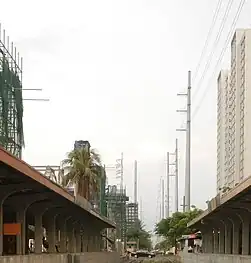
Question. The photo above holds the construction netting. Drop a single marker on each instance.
(11, 105)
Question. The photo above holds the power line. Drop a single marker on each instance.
(221, 55)
(216, 13)
(216, 42)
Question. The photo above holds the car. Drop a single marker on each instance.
(143, 253)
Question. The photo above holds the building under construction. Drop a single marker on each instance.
(11, 101)
(132, 215)
(116, 210)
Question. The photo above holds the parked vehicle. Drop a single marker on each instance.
(143, 253)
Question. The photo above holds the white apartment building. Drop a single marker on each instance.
(222, 128)
(234, 114)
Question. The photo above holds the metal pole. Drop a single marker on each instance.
(141, 210)
(176, 178)
(163, 199)
(188, 147)
(160, 203)
(122, 172)
(135, 182)
(167, 187)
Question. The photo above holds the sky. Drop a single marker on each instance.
(112, 69)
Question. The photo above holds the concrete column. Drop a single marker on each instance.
(63, 237)
(96, 243)
(100, 242)
(38, 233)
(216, 241)
(245, 236)
(228, 230)
(78, 240)
(91, 243)
(51, 230)
(85, 240)
(71, 238)
(204, 241)
(236, 236)
(21, 239)
(210, 242)
(222, 239)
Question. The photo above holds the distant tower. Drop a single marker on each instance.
(82, 144)
(135, 182)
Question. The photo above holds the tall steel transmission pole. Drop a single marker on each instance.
(135, 182)
(175, 175)
(167, 186)
(188, 145)
(162, 199)
(122, 172)
(188, 148)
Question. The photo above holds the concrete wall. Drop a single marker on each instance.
(43, 258)
(214, 258)
(91, 257)
(95, 257)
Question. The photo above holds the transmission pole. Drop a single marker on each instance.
(122, 172)
(188, 144)
(163, 199)
(175, 175)
(135, 182)
(183, 205)
(167, 187)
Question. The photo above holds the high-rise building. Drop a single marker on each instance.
(132, 214)
(222, 128)
(234, 114)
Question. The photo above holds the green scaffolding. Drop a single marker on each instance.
(11, 103)
(116, 209)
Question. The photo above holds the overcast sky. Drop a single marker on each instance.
(112, 69)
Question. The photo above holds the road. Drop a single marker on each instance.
(160, 259)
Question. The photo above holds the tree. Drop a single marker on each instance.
(83, 169)
(162, 245)
(139, 234)
(174, 227)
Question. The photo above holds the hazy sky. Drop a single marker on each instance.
(112, 69)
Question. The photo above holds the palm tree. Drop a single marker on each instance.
(139, 234)
(82, 169)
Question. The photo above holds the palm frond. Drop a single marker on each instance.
(95, 157)
(83, 168)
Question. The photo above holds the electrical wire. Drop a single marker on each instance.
(216, 13)
(221, 55)
(215, 44)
